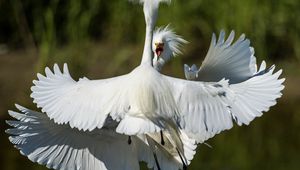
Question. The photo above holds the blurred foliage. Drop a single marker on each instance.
(107, 36)
(274, 26)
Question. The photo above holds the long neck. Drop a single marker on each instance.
(150, 12)
(147, 53)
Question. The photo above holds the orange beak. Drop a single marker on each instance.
(159, 48)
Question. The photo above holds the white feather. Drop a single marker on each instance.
(87, 103)
(84, 104)
(225, 59)
(191, 73)
(209, 108)
(168, 153)
(62, 147)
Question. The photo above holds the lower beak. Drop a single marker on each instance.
(159, 49)
(158, 53)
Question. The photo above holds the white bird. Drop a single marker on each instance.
(247, 91)
(143, 104)
(146, 102)
(225, 59)
(173, 154)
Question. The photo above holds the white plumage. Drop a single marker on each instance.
(234, 61)
(87, 121)
(63, 147)
(228, 87)
(171, 46)
(209, 108)
(191, 73)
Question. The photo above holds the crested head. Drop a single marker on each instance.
(166, 44)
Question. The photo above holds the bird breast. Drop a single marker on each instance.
(149, 94)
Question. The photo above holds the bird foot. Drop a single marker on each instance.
(156, 161)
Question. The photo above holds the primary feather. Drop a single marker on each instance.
(68, 101)
(209, 108)
(62, 147)
(234, 61)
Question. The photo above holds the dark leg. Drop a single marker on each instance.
(183, 164)
(129, 140)
(156, 161)
(162, 138)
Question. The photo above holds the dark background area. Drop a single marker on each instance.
(101, 38)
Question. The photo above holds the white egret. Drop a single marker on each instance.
(174, 154)
(246, 92)
(146, 103)
(143, 104)
(225, 59)
(149, 102)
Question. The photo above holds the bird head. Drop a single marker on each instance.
(165, 45)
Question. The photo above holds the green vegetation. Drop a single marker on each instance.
(103, 38)
(48, 25)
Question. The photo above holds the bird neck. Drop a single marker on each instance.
(150, 11)
(147, 53)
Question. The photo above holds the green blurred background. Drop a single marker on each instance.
(104, 38)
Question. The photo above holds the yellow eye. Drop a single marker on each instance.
(156, 44)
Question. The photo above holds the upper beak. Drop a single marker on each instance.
(159, 48)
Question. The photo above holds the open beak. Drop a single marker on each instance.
(159, 48)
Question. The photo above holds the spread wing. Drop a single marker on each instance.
(62, 147)
(257, 94)
(225, 59)
(203, 106)
(84, 104)
(209, 108)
